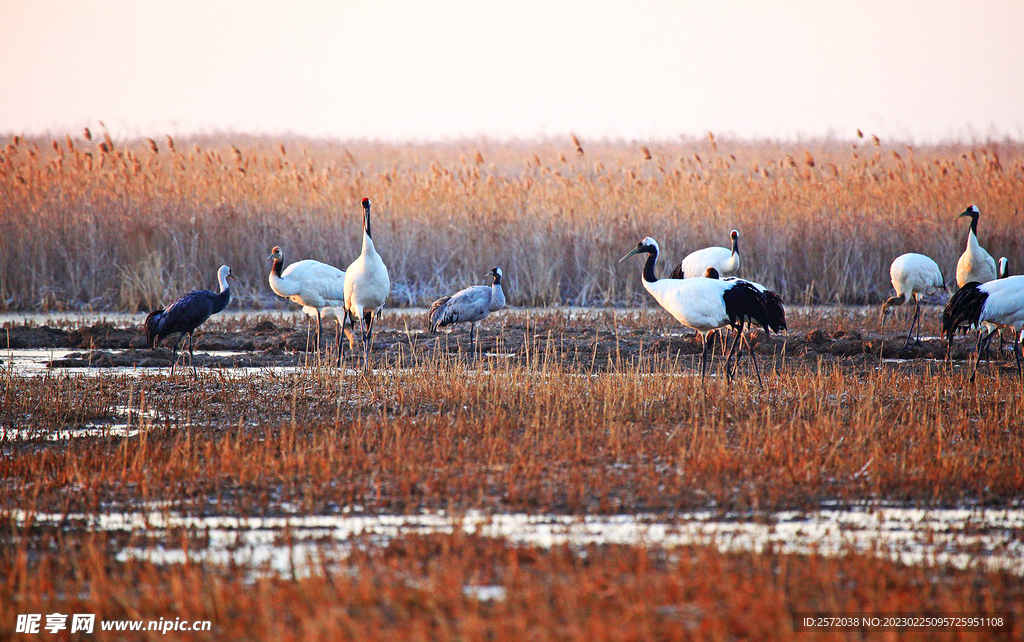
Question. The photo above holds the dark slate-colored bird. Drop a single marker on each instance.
(187, 313)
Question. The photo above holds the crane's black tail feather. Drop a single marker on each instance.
(677, 272)
(775, 311)
(963, 308)
(152, 326)
(744, 301)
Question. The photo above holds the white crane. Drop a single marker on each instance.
(998, 303)
(725, 261)
(975, 264)
(318, 287)
(913, 276)
(468, 306)
(367, 285)
(703, 304)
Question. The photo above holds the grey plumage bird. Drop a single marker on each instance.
(468, 306)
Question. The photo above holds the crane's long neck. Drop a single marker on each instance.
(648, 275)
(497, 296)
(368, 247)
(972, 236)
(280, 285)
(221, 300)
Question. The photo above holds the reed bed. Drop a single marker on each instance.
(92, 223)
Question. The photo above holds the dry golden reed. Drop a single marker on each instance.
(81, 222)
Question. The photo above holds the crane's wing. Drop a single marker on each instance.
(187, 312)
(328, 280)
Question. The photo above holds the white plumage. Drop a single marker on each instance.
(469, 305)
(996, 304)
(704, 304)
(975, 264)
(318, 287)
(913, 276)
(367, 285)
(726, 261)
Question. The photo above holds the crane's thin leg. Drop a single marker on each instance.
(319, 331)
(753, 358)
(913, 321)
(1016, 353)
(192, 356)
(703, 355)
(732, 350)
(977, 360)
(174, 350)
(472, 337)
(917, 313)
(367, 337)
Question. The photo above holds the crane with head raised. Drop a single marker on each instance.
(187, 313)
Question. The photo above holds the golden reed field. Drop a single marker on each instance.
(94, 223)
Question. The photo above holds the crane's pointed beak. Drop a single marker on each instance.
(635, 250)
(232, 276)
(270, 258)
(962, 215)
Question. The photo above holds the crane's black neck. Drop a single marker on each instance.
(652, 257)
(735, 245)
(974, 222)
(497, 279)
(275, 268)
(366, 220)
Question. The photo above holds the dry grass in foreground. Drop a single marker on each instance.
(444, 432)
(422, 588)
(89, 222)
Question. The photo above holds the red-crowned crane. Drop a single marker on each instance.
(187, 313)
(975, 264)
(318, 287)
(468, 306)
(367, 286)
(726, 261)
(913, 276)
(703, 304)
(998, 303)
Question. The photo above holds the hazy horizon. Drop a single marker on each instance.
(918, 72)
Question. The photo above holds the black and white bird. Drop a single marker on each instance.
(318, 287)
(367, 286)
(996, 304)
(187, 313)
(726, 261)
(775, 310)
(975, 264)
(468, 306)
(913, 276)
(703, 304)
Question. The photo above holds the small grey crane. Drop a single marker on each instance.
(187, 313)
(468, 306)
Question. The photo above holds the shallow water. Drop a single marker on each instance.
(962, 538)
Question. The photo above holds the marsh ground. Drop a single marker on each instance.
(546, 487)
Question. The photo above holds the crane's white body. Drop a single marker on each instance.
(697, 303)
(367, 284)
(311, 284)
(975, 264)
(1004, 305)
(915, 275)
(725, 260)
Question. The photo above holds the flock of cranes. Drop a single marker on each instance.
(701, 293)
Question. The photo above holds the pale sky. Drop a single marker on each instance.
(917, 71)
